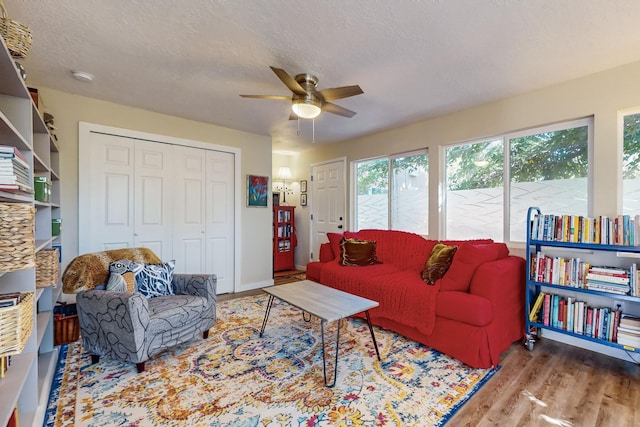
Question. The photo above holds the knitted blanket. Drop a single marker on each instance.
(87, 271)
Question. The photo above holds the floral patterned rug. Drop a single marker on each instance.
(235, 378)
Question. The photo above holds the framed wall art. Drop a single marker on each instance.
(303, 186)
(257, 191)
(303, 199)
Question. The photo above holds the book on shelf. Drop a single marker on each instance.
(630, 321)
(620, 230)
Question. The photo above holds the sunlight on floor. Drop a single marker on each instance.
(534, 399)
(546, 418)
(556, 422)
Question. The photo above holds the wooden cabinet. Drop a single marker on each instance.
(284, 237)
(27, 380)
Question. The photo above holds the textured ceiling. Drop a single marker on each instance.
(413, 59)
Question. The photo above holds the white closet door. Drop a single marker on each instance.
(189, 219)
(153, 216)
(106, 196)
(220, 219)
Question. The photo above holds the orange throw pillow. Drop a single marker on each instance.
(438, 263)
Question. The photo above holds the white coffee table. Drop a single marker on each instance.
(325, 303)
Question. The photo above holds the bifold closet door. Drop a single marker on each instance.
(176, 200)
(130, 195)
(189, 221)
(152, 205)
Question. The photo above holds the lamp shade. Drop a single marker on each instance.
(284, 173)
(306, 108)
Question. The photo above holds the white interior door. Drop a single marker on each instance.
(189, 210)
(220, 220)
(153, 216)
(106, 195)
(327, 203)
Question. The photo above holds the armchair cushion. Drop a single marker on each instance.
(154, 280)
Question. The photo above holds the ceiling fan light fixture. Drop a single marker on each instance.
(306, 108)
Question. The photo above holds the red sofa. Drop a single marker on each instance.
(473, 313)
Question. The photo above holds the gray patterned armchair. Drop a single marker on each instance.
(129, 326)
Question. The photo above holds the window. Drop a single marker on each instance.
(547, 167)
(631, 164)
(392, 193)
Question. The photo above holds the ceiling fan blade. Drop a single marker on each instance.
(334, 93)
(336, 109)
(278, 97)
(289, 82)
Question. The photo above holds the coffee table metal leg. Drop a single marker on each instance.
(375, 344)
(324, 359)
(266, 315)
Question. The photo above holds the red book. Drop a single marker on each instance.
(547, 309)
(588, 324)
(616, 323)
(562, 305)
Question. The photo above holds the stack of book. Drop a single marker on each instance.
(569, 314)
(629, 331)
(14, 170)
(608, 279)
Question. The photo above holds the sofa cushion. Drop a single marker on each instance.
(356, 252)
(438, 263)
(155, 280)
(467, 259)
(407, 251)
(334, 243)
(464, 307)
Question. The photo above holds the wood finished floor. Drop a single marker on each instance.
(554, 385)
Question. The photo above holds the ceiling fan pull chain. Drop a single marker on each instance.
(298, 132)
(313, 130)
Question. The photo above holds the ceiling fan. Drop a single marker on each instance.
(306, 101)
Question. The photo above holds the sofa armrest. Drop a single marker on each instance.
(501, 281)
(204, 285)
(112, 322)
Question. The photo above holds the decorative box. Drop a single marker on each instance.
(47, 268)
(56, 226)
(16, 324)
(17, 240)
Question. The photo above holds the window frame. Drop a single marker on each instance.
(506, 202)
(390, 182)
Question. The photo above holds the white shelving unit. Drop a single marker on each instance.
(28, 379)
(595, 254)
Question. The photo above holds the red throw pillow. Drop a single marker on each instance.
(438, 263)
(464, 264)
(334, 242)
(355, 252)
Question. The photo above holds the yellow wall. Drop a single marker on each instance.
(68, 110)
(602, 95)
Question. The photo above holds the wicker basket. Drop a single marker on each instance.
(16, 236)
(17, 36)
(47, 268)
(16, 325)
(66, 328)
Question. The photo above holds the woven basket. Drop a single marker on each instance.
(47, 268)
(16, 325)
(66, 328)
(17, 36)
(17, 250)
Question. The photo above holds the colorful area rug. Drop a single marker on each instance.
(235, 378)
